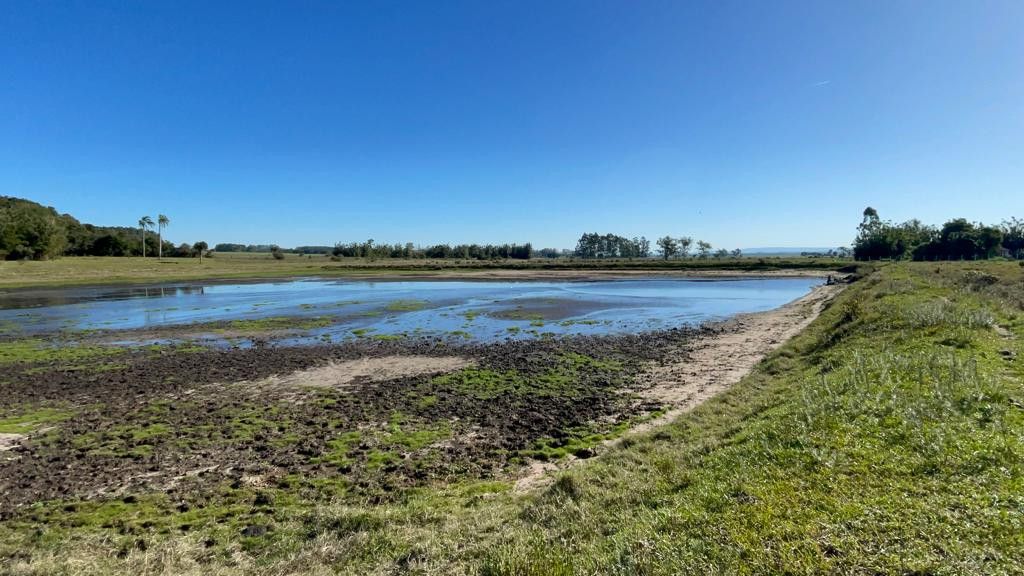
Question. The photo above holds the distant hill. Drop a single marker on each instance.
(29, 230)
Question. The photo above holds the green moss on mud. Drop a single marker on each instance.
(32, 350)
(405, 305)
(377, 447)
(279, 323)
(561, 380)
(24, 422)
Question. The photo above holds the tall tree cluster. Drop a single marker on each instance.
(29, 230)
(595, 245)
(957, 239)
(668, 247)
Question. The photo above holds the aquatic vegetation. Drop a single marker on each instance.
(519, 314)
(581, 322)
(280, 323)
(405, 305)
(33, 350)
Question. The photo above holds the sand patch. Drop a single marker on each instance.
(9, 441)
(353, 372)
(717, 362)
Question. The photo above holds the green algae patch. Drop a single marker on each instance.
(280, 323)
(32, 420)
(37, 351)
(406, 305)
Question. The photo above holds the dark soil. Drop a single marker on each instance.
(187, 423)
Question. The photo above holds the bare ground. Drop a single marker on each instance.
(342, 375)
(707, 366)
(8, 441)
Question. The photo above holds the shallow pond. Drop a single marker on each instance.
(334, 310)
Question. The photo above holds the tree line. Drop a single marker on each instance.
(957, 239)
(369, 249)
(31, 231)
(263, 248)
(593, 245)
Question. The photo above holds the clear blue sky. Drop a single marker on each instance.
(744, 123)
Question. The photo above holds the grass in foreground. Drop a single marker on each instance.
(886, 438)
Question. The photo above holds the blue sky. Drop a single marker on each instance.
(743, 123)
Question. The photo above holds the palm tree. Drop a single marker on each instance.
(200, 248)
(161, 223)
(144, 223)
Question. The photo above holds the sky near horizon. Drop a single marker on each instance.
(742, 123)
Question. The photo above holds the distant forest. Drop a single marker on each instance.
(264, 248)
(957, 239)
(30, 231)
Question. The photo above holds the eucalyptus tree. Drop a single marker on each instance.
(703, 249)
(642, 247)
(144, 223)
(667, 247)
(1013, 237)
(162, 222)
(684, 246)
(595, 245)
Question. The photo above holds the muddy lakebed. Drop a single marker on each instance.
(189, 403)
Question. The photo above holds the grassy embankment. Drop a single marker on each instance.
(886, 438)
(101, 270)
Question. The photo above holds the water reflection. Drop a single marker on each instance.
(343, 309)
(68, 296)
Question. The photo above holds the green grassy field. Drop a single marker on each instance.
(887, 438)
(227, 266)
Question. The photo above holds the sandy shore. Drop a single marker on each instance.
(708, 366)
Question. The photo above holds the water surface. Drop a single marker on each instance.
(484, 310)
